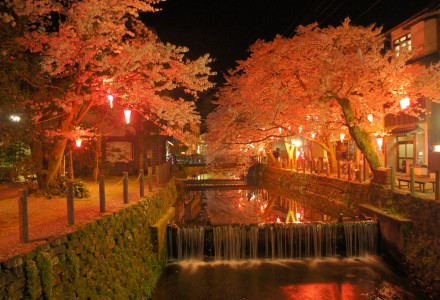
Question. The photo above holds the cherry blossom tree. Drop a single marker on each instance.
(342, 78)
(90, 49)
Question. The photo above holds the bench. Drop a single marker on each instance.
(420, 181)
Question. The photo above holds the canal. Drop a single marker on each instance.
(253, 244)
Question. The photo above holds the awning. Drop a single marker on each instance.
(406, 130)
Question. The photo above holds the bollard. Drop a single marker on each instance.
(393, 178)
(23, 217)
(150, 179)
(125, 184)
(70, 207)
(437, 185)
(141, 183)
(412, 183)
(102, 193)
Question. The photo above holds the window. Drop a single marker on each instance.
(403, 43)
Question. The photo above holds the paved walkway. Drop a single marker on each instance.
(48, 217)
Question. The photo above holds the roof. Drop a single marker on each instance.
(406, 130)
(427, 12)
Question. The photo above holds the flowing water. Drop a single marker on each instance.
(249, 244)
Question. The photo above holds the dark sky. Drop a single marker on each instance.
(226, 28)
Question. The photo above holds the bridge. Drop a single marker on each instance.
(214, 183)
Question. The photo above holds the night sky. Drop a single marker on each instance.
(226, 28)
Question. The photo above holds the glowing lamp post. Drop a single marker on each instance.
(127, 114)
(379, 142)
(404, 103)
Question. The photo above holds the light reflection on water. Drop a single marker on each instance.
(328, 278)
(365, 278)
(224, 207)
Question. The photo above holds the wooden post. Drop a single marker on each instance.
(23, 217)
(437, 185)
(125, 186)
(102, 193)
(157, 175)
(339, 169)
(393, 178)
(141, 182)
(412, 183)
(361, 173)
(70, 207)
(150, 179)
(349, 171)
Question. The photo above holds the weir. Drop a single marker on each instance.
(272, 241)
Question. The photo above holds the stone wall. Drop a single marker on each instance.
(111, 258)
(417, 251)
(330, 196)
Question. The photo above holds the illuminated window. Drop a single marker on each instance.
(403, 43)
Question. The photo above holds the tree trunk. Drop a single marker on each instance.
(331, 154)
(360, 136)
(56, 153)
(272, 160)
(54, 163)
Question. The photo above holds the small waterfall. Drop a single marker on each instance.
(361, 238)
(190, 243)
(272, 241)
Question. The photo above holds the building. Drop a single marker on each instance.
(411, 140)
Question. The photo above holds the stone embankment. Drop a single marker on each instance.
(114, 257)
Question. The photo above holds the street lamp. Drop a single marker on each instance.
(15, 118)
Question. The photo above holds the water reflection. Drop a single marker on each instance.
(365, 278)
(255, 206)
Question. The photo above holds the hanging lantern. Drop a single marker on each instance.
(379, 142)
(127, 114)
(370, 118)
(78, 142)
(312, 135)
(404, 103)
(341, 136)
(110, 100)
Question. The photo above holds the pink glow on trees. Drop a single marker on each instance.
(82, 44)
(322, 80)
